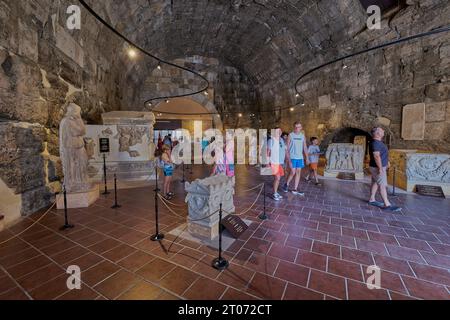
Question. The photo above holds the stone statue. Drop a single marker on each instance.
(73, 152)
(90, 147)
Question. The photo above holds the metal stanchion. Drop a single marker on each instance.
(157, 236)
(263, 216)
(116, 204)
(66, 225)
(191, 169)
(393, 182)
(220, 263)
(184, 175)
(106, 192)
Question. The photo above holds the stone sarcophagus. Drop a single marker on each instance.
(414, 167)
(131, 154)
(204, 197)
(345, 157)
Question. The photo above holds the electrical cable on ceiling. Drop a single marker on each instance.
(145, 52)
(205, 89)
(298, 94)
(384, 45)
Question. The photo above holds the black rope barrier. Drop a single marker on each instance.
(157, 236)
(263, 216)
(105, 178)
(116, 203)
(66, 225)
(220, 263)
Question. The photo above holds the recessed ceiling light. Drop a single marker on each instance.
(132, 53)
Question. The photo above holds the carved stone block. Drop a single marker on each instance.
(204, 198)
(413, 167)
(345, 157)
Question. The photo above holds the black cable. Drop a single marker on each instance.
(160, 61)
(384, 45)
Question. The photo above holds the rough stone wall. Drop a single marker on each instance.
(273, 42)
(372, 88)
(43, 66)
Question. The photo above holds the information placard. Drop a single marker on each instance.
(104, 145)
(235, 225)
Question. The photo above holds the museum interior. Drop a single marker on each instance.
(96, 97)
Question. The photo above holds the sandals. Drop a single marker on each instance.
(392, 209)
(377, 204)
(382, 206)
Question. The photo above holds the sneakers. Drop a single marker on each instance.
(277, 197)
(169, 196)
(297, 193)
(285, 188)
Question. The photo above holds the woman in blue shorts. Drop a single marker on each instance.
(168, 168)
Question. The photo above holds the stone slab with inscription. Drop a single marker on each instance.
(413, 122)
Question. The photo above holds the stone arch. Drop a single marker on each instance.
(345, 135)
(198, 103)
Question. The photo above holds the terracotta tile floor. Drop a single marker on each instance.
(315, 247)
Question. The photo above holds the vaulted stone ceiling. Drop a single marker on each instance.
(263, 38)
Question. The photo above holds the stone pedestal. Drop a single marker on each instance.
(79, 199)
(345, 157)
(204, 199)
(414, 167)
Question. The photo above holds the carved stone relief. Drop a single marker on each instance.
(430, 167)
(345, 157)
